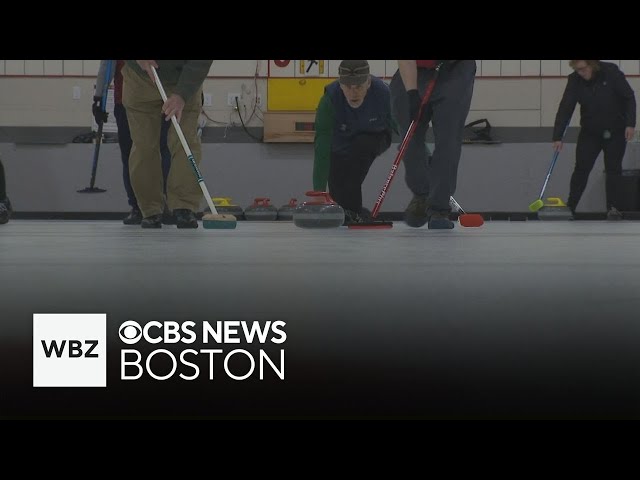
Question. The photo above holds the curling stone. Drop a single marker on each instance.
(261, 210)
(554, 209)
(285, 212)
(225, 207)
(320, 212)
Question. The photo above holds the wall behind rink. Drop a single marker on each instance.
(505, 177)
(39, 119)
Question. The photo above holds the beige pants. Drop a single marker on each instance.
(143, 104)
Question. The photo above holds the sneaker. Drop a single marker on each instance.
(153, 221)
(440, 220)
(134, 217)
(416, 213)
(614, 214)
(185, 218)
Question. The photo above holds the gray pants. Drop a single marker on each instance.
(436, 176)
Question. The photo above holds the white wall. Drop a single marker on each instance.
(508, 92)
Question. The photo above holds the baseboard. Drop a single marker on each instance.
(388, 216)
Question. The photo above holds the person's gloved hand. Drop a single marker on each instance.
(98, 114)
(414, 104)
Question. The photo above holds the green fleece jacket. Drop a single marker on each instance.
(325, 116)
(187, 76)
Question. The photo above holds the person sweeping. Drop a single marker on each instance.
(607, 123)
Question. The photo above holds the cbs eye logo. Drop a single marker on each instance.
(130, 332)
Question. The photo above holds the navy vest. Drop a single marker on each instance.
(370, 117)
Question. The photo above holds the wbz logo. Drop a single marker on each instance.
(74, 349)
(69, 350)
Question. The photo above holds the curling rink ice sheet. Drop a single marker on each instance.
(534, 307)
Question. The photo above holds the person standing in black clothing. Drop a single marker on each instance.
(607, 123)
(5, 205)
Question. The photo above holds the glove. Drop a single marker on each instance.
(414, 104)
(98, 114)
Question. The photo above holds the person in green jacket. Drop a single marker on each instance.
(182, 81)
(353, 126)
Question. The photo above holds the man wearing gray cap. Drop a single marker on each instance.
(352, 128)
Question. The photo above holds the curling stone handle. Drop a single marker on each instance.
(221, 201)
(326, 195)
(293, 202)
(263, 201)
(555, 202)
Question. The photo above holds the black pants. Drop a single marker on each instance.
(3, 185)
(348, 170)
(588, 148)
(125, 142)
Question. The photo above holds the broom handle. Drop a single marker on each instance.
(185, 145)
(103, 94)
(405, 142)
(553, 164)
(546, 180)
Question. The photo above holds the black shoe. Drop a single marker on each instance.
(168, 218)
(416, 213)
(363, 219)
(153, 221)
(185, 218)
(134, 217)
(352, 217)
(440, 220)
(614, 214)
(5, 211)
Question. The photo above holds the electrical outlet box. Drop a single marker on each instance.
(76, 93)
(259, 100)
(207, 100)
(231, 99)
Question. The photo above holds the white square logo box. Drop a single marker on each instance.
(69, 350)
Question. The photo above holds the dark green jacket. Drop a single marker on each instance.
(187, 76)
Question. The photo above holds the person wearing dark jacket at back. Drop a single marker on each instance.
(607, 123)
